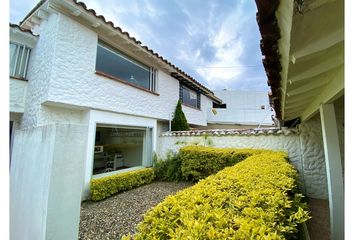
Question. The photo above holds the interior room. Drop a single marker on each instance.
(117, 148)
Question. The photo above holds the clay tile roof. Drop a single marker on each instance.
(179, 74)
(270, 33)
(241, 132)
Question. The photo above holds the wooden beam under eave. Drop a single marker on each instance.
(330, 40)
(314, 66)
(331, 92)
(310, 85)
(300, 104)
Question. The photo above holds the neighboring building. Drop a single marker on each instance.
(303, 47)
(86, 100)
(240, 109)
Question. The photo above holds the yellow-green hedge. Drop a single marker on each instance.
(102, 188)
(255, 199)
(199, 162)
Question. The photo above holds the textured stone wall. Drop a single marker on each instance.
(304, 148)
(314, 166)
(17, 99)
(39, 71)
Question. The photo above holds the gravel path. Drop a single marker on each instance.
(118, 215)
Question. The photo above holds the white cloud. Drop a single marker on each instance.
(137, 11)
(223, 36)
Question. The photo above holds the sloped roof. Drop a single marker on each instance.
(270, 33)
(179, 74)
(303, 48)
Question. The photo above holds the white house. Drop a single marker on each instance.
(86, 100)
(241, 109)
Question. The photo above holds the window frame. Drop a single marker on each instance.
(16, 70)
(198, 102)
(153, 72)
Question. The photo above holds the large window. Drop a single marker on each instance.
(19, 57)
(189, 97)
(116, 64)
(118, 148)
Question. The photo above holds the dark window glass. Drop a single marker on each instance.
(215, 105)
(190, 97)
(115, 63)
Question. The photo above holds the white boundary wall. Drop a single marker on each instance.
(304, 146)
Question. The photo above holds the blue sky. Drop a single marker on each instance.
(216, 42)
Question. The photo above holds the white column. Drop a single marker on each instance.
(334, 170)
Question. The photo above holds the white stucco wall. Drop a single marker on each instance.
(45, 182)
(18, 90)
(62, 71)
(39, 71)
(304, 147)
(198, 117)
(242, 107)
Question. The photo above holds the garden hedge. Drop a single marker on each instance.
(104, 187)
(254, 199)
(198, 162)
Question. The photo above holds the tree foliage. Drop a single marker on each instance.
(179, 121)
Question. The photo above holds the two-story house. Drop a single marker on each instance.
(86, 100)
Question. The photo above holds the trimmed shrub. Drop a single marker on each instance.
(198, 162)
(179, 121)
(168, 169)
(255, 199)
(104, 187)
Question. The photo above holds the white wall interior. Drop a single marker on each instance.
(47, 168)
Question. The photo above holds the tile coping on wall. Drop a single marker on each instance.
(221, 132)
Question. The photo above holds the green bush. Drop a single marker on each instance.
(255, 199)
(168, 169)
(104, 187)
(179, 121)
(199, 162)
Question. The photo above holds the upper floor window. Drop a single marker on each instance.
(112, 62)
(189, 97)
(19, 58)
